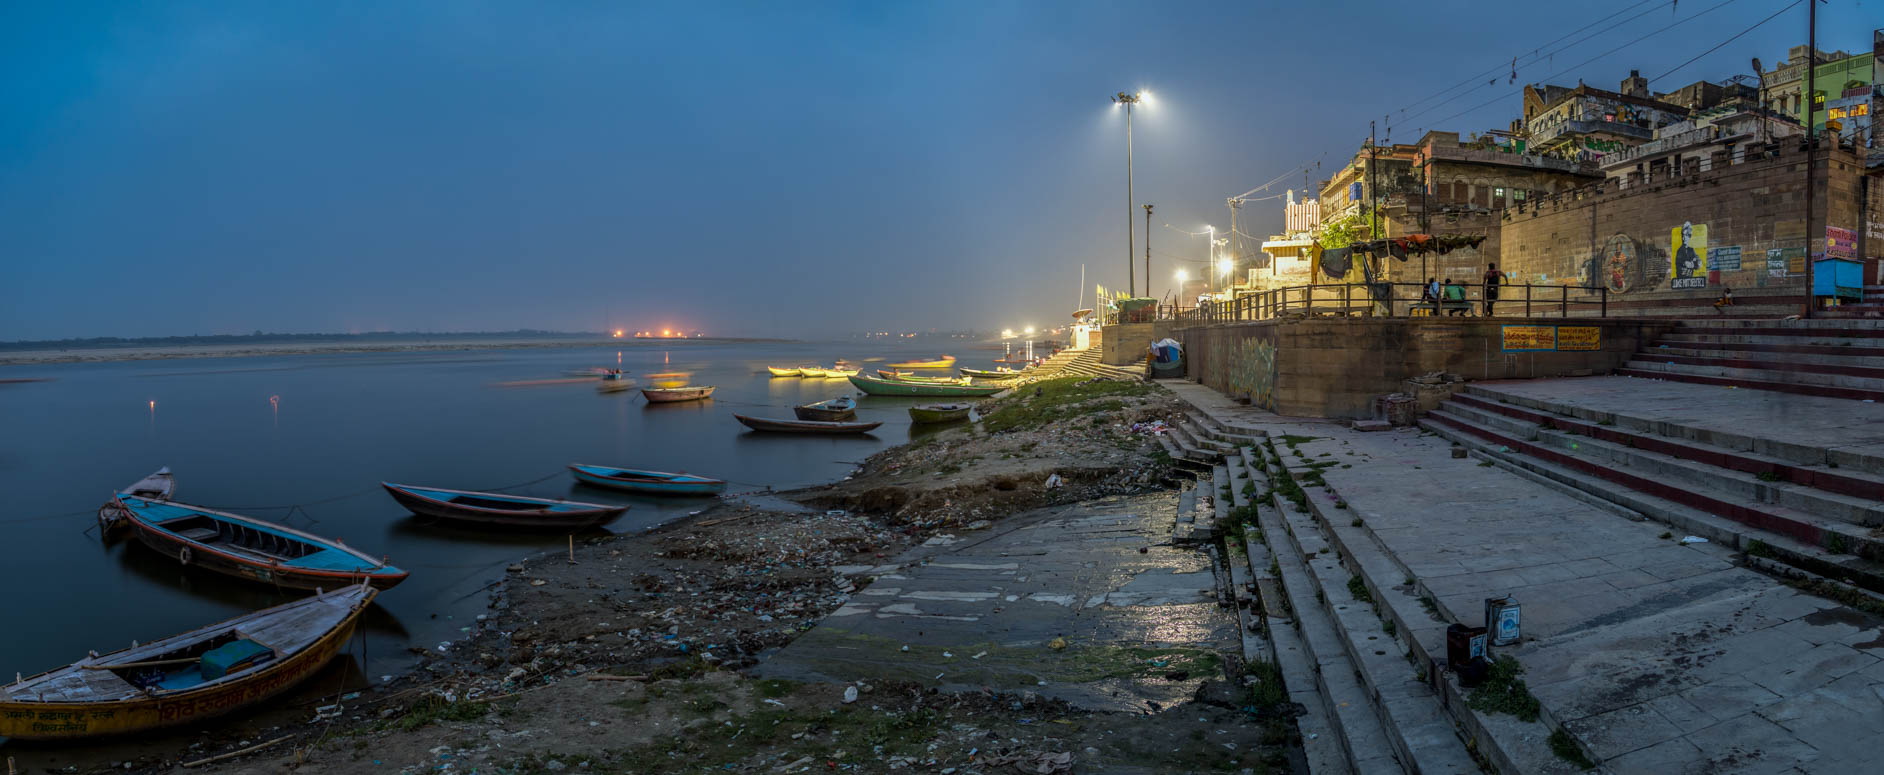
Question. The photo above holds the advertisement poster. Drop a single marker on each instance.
(1840, 243)
(1530, 338)
(1687, 251)
(1725, 259)
(1776, 261)
(1579, 338)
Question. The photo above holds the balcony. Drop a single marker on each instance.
(1543, 137)
(1481, 156)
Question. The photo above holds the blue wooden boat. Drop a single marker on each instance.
(653, 482)
(251, 548)
(492, 508)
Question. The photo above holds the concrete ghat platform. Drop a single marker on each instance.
(1656, 657)
(983, 609)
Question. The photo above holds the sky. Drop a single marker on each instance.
(793, 169)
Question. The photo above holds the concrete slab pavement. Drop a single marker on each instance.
(1089, 603)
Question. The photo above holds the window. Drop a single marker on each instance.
(1498, 194)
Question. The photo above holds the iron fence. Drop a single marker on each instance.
(1396, 300)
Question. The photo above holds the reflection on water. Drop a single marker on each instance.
(259, 435)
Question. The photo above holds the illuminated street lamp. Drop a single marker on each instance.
(1128, 101)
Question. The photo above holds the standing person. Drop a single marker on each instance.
(1492, 279)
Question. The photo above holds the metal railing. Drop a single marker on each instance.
(1395, 300)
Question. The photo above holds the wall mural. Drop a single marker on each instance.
(1616, 266)
(1687, 246)
(1252, 370)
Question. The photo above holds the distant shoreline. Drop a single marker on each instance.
(417, 343)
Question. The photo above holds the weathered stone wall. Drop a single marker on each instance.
(1336, 367)
(1126, 344)
(1624, 238)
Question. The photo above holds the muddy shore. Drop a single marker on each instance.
(624, 653)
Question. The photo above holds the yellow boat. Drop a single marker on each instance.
(810, 372)
(945, 362)
(184, 678)
(778, 372)
(840, 373)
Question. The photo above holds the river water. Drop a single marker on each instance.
(262, 435)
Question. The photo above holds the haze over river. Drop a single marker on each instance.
(259, 435)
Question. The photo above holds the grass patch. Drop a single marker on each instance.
(1666, 534)
(1835, 544)
(1566, 748)
(1504, 691)
(1758, 548)
(1387, 626)
(1292, 439)
(1059, 399)
(1358, 588)
(432, 709)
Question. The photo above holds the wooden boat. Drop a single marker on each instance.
(251, 548)
(663, 395)
(944, 362)
(804, 426)
(614, 382)
(593, 371)
(670, 379)
(158, 486)
(924, 413)
(778, 372)
(893, 387)
(654, 482)
(834, 410)
(903, 376)
(492, 508)
(185, 678)
(839, 372)
(1002, 373)
(812, 372)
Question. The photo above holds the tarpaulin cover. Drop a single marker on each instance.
(1167, 351)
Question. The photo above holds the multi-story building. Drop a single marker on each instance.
(1352, 189)
(1782, 88)
(1722, 135)
(1583, 123)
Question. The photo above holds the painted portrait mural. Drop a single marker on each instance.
(1687, 251)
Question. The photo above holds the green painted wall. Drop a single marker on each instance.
(1832, 80)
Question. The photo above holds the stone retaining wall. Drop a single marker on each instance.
(1336, 367)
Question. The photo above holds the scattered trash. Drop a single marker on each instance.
(1056, 644)
(1693, 540)
(850, 694)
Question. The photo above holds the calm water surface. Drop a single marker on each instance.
(337, 426)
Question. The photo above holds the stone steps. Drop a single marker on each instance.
(1860, 357)
(1777, 381)
(1797, 538)
(1726, 339)
(1857, 500)
(1736, 447)
(1765, 366)
(1344, 634)
(1182, 457)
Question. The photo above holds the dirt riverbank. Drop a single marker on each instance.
(623, 654)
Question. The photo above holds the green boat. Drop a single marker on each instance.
(984, 374)
(890, 387)
(925, 413)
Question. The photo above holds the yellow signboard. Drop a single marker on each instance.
(1520, 338)
(1579, 338)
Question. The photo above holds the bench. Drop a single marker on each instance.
(1430, 308)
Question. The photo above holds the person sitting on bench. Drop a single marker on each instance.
(1455, 302)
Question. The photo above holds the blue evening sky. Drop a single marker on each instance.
(766, 168)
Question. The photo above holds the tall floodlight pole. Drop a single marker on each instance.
(1131, 240)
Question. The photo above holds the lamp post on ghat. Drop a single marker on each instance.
(1128, 101)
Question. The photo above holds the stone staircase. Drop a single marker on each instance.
(1839, 358)
(1366, 688)
(1199, 442)
(1871, 307)
(1818, 509)
(1363, 709)
(1083, 363)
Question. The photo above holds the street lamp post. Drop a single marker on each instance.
(1210, 258)
(1131, 240)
